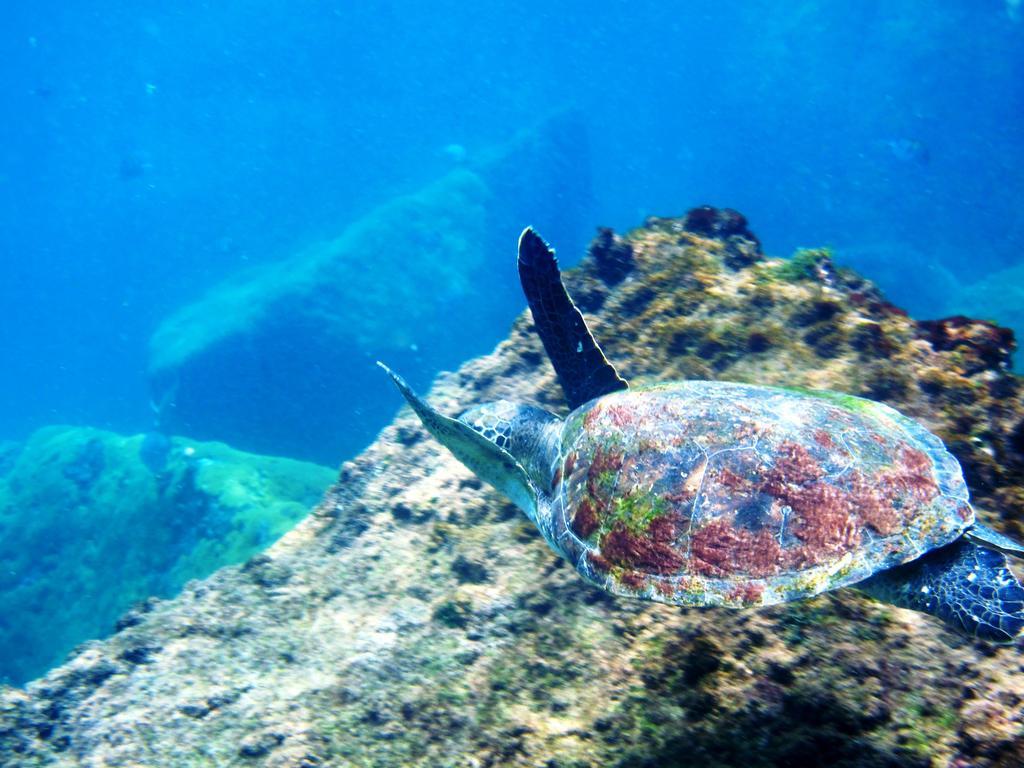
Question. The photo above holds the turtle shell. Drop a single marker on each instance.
(711, 493)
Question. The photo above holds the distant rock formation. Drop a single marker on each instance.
(91, 522)
(416, 619)
(280, 359)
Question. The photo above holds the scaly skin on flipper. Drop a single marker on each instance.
(582, 368)
(483, 456)
(964, 584)
(986, 537)
(527, 432)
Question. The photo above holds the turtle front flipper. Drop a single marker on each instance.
(967, 585)
(583, 371)
(484, 458)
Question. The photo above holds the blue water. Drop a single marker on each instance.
(150, 150)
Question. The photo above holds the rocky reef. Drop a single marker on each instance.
(415, 618)
(91, 522)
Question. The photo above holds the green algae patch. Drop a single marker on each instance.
(802, 265)
(848, 402)
(636, 511)
(923, 723)
(91, 522)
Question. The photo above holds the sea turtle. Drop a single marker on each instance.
(707, 493)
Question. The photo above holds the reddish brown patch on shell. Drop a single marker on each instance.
(762, 553)
(633, 579)
(824, 522)
(916, 461)
(604, 460)
(873, 502)
(747, 594)
(585, 521)
(719, 549)
(557, 477)
(570, 464)
(681, 499)
(794, 464)
(824, 439)
(666, 588)
(620, 415)
(598, 562)
(621, 547)
(664, 529)
(913, 475)
(729, 479)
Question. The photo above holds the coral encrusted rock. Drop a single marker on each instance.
(92, 521)
(416, 619)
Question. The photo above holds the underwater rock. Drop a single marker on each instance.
(85, 466)
(397, 650)
(983, 345)
(999, 297)
(911, 278)
(612, 256)
(89, 524)
(253, 359)
(154, 451)
(730, 227)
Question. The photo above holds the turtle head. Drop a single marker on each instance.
(508, 445)
(528, 433)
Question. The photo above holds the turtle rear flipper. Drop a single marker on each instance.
(986, 537)
(487, 460)
(583, 371)
(967, 585)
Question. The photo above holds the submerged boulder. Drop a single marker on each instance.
(252, 361)
(91, 522)
(998, 297)
(416, 619)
